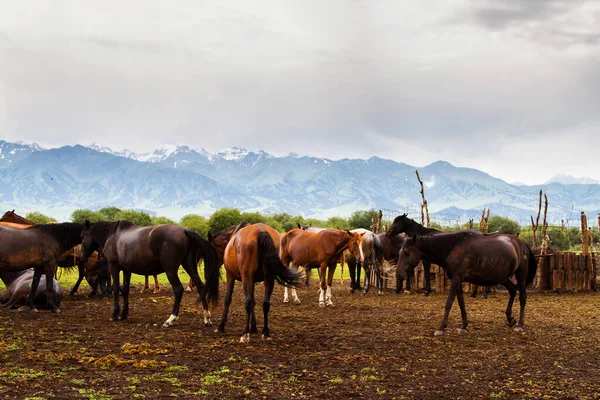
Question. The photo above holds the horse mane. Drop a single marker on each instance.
(438, 246)
(101, 230)
(415, 228)
(64, 233)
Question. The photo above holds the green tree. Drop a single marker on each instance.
(338, 223)
(82, 214)
(109, 213)
(253, 217)
(39, 218)
(139, 218)
(503, 225)
(161, 220)
(196, 223)
(559, 239)
(362, 219)
(273, 223)
(223, 219)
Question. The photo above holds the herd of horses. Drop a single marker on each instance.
(249, 254)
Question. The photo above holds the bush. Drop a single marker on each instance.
(39, 218)
(362, 219)
(109, 213)
(83, 214)
(137, 217)
(223, 219)
(161, 220)
(196, 223)
(503, 225)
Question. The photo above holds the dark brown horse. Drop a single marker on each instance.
(149, 251)
(252, 255)
(38, 247)
(95, 271)
(478, 259)
(18, 286)
(320, 248)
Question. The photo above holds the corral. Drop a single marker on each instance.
(365, 346)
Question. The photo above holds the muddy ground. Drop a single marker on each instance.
(365, 346)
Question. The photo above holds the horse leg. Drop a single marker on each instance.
(171, 271)
(228, 297)
(522, 301)
(486, 291)
(190, 286)
(156, 284)
(35, 281)
(81, 270)
(426, 272)
(512, 291)
(367, 278)
(330, 272)
(352, 270)
(453, 288)
(190, 266)
(323, 285)
(146, 287)
(399, 282)
(463, 310)
(249, 305)
(50, 293)
(114, 273)
(475, 289)
(379, 277)
(269, 284)
(126, 283)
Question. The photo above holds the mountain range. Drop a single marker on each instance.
(178, 180)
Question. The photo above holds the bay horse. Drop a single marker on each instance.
(95, 271)
(252, 255)
(18, 286)
(149, 250)
(320, 248)
(373, 259)
(39, 247)
(478, 259)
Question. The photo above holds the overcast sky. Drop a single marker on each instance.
(509, 87)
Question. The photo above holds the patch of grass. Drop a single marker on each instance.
(380, 392)
(77, 381)
(337, 379)
(132, 379)
(216, 376)
(25, 373)
(494, 395)
(292, 379)
(177, 368)
(93, 394)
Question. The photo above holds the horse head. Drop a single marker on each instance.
(355, 245)
(88, 244)
(398, 226)
(409, 256)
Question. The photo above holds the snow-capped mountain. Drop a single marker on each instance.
(567, 179)
(176, 180)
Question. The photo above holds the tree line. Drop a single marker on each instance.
(561, 238)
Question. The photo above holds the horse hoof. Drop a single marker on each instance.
(461, 331)
(208, 323)
(167, 324)
(426, 293)
(407, 292)
(188, 289)
(56, 310)
(297, 301)
(364, 293)
(266, 337)
(512, 321)
(519, 329)
(438, 333)
(329, 303)
(380, 293)
(286, 300)
(245, 338)
(321, 304)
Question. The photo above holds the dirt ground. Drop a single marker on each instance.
(365, 346)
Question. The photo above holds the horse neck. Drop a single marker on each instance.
(437, 248)
(342, 244)
(17, 219)
(101, 231)
(418, 229)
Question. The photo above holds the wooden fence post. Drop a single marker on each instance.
(424, 206)
(584, 234)
(534, 226)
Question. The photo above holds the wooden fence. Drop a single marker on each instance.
(562, 271)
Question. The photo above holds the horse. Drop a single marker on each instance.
(252, 255)
(320, 248)
(403, 224)
(146, 287)
(478, 259)
(93, 268)
(149, 250)
(18, 286)
(373, 253)
(39, 246)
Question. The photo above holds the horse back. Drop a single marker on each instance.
(25, 248)
(313, 247)
(242, 249)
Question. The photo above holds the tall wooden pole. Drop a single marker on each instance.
(534, 226)
(584, 234)
(424, 207)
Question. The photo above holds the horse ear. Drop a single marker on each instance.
(363, 234)
(404, 215)
(87, 224)
(13, 211)
(349, 233)
(299, 226)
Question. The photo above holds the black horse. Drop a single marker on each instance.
(482, 260)
(403, 224)
(18, 286)
(149, 251)
(38, 247)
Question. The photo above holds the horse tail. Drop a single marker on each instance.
(272, 266)
(379, 251)
(212, 267)
(532, 267)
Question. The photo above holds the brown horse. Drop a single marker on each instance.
(252, 255)
(18, 286)
(481, 260)
(95, 269)
(38, 247)
(322, 249)
(149, 250)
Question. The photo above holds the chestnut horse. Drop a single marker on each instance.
(38, 247)
(321, 249)
(149, 250)
(252, 255)
(470, 257)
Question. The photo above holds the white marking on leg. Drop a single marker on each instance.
(245, 338)
(439, 333)
(286, 297)
(295, 297)
(169, 322)
(328, 297)
(519, 329)
(207, 321)
(321, 298)
(461, 330)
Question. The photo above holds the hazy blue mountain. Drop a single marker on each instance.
(175, 180)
